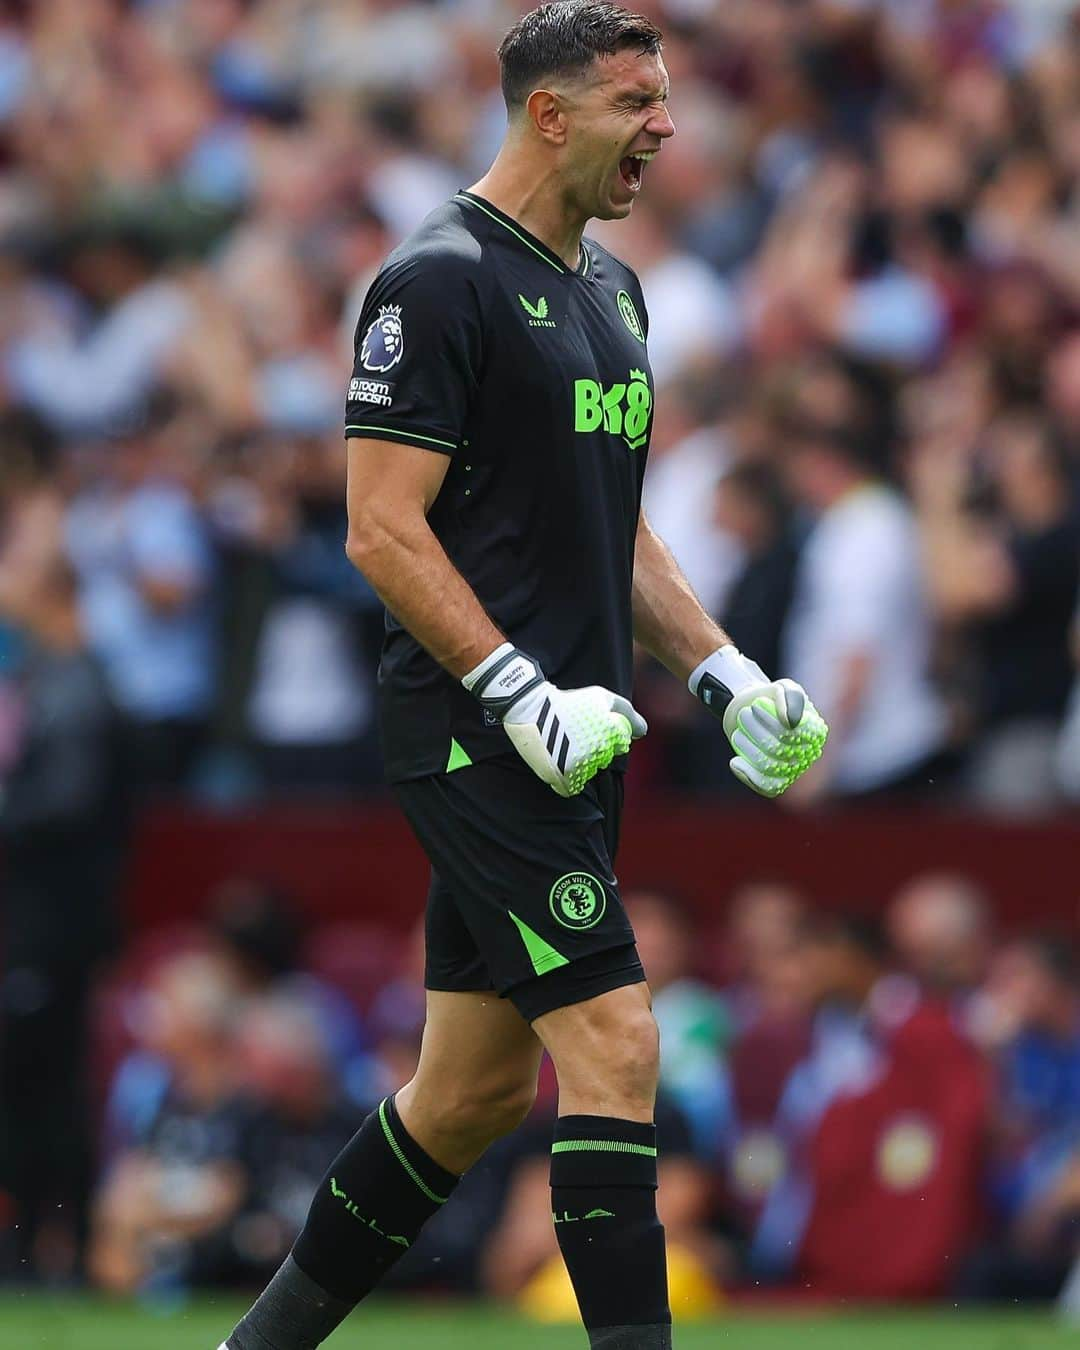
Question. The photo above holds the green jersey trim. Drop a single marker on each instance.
(395, 1148)
(401, 434)
(475, 201)
(493, 214)
(601, 1146)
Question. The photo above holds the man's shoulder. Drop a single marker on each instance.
(447, 245)
(621, 273)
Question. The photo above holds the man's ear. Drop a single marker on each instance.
(547, 114)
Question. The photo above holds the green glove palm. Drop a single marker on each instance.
(773, 747)
(774, 729)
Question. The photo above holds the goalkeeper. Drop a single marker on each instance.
(498, 424)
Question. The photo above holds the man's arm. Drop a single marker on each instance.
(669, 620)
(565, 736)
(391, 487)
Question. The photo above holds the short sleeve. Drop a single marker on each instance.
(418, 354)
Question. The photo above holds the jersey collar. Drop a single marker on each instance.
(523, 236)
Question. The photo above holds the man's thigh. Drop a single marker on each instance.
(606, 1053)
(524, 897)
(476, 1045)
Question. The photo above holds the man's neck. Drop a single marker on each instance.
(532, 195)
(843, 487)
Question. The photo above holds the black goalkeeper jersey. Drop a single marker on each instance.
(478, 342)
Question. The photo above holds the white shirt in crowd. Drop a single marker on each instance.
(308, 688)
(859, 591)
(680, 501)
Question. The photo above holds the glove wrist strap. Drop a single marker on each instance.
(503, 678)
(722, 676)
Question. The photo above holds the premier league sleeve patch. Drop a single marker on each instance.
(423, 396)
(380, 393)
(384, 342)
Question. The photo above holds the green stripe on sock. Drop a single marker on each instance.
(601, 1146)
(396, 1147)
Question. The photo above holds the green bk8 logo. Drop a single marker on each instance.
(621, 409)
(578, 900)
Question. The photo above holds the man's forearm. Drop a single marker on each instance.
(425, 592)
(669, 620)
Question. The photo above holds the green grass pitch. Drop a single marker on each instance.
(43, 1323)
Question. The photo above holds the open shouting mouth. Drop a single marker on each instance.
(632, 168)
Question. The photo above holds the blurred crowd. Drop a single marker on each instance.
(849, 1107)
(861, 256)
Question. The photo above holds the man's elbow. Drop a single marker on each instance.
(356, 547)
(359, 547)
(367, 543)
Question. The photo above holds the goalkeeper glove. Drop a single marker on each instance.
(565, 736)
(774, 729)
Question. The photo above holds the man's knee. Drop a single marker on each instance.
(482, 1112)
(628, 1051)
(606, 1052)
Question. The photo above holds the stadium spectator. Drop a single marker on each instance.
(763, 927)
(858, 585)
(142, 556)
(309, 702)
(752, 507)
(767, 994)
(886, 1124)
(1012, 574)
(686, 463)
(940, 927)
(257, 933)
(397, 1018)
(178, 1177)
(300, 1119)
(841, 962)
(1032, 1023)
(695, 1025)
(106, 334)
(1067, 756)
(62, 831)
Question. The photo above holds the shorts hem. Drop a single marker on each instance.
(447, 986)
(577, 982)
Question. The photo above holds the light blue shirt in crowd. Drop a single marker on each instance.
(160, 665)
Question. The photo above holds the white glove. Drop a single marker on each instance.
(565, 736)
(774, 729)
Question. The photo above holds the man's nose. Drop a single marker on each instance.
(660, 124)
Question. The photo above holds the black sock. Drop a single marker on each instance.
(378, 1193)
(603, 1198)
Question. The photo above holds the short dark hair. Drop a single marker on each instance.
(565, 38)
(761, 483)
(1057, 956)
(861, 933)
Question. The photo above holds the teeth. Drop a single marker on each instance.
(646, 155)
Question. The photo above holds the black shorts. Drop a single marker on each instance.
(523, 895)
